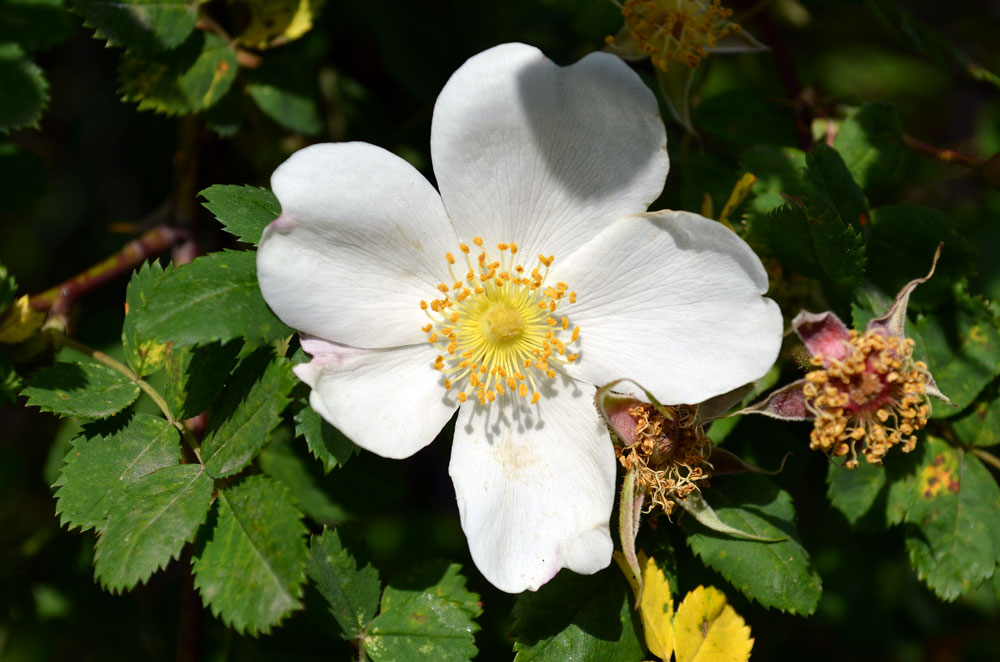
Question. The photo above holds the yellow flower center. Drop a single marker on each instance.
(873, 399)
(677, 30)
(497, 327)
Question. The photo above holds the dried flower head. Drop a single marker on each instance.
(866, 392)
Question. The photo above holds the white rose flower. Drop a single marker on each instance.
(532, 276)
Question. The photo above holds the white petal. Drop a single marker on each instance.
(361, 239)
(545, 156)
(535, 489)
(673, 301)
(387, 401)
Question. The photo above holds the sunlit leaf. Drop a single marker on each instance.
(243, 210)
(82, 388)
(871, 142)
(707, 629)
(656, 609)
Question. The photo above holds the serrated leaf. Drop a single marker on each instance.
(979, 425)
(34, 24)
(195, 376)
(871, 142)
(577, 617)
(656, 607)
(154, 518)
(853, 492)
(326, 443)
(707, 629)
(905, 237)
(251, 568)
(830, 185)
(99, 468)
(954, 505)
(279, 461)
(346, 578)
(186, 80)
(962, 346)
(775, 574)
(244, 211)
(148, 356)
(25, 90)
(83, 388)
(426, 614)
(140, 25)
(214, 298)
(286, 92)
(247, 413)
(779, 177)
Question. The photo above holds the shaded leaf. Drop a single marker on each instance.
(853, 492)
(286, 92)
(344, 575)
(577, 617)
(251, 568)
(195, 376)
(213, 298)
(953, 504)
(775, 574)
(82, 388)
(326, 443)
(35, 24)
(426, 614)
(979, 425)
(871, 142)
(191, 78)
(97, 468)
(830, 185)
(244, 211)
(147, 356)
(154, 518)
(140, 25)
(280, 461)
(25, 90)
(249, 410)
(707, 629)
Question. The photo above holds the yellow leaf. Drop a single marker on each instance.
(707, 629)
(656, 608)
(270, 19)
(20, 322)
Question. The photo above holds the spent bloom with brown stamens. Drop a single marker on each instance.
(866, 392)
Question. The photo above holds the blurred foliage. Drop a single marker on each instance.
(868, 126)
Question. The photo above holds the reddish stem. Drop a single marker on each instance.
(944, 155)
(131, 255)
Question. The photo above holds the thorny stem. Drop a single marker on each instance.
(153, 394)
(134, 253)
(988, 458)
(943, 155)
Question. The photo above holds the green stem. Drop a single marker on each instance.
(153, 394)
(988, 458)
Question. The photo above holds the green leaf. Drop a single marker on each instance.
(140, 25)
(577, 617)
(853, 492)
(251, 568)
(280, 461)
(776, 574)
(8, 288)
(243, 210)
(10, 382)
(99, 468)
(153, 519)
(147, 356)
(979, 425)
(953, 504)
(962, 346)
(815, 244)
(830, 186)
(35, 24)
(25, 90)
(82, 388)
(286, 92)
(247, 413)
(344, 576)
(213, 298)
(195, 376)
(779, 177)
(427, 614)
(871, 142)
(904, 237)
(326, 442)
(191, 78)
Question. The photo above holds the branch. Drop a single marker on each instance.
(944, 155)
(131, 255)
